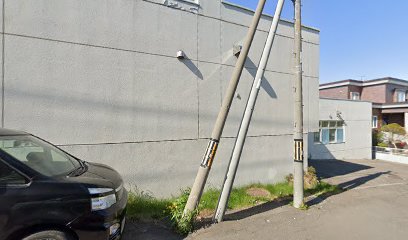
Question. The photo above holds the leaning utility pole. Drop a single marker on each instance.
(249, 109)
(298, 114)
(208, 159)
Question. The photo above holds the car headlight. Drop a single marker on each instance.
(102, 202)
(99, 190)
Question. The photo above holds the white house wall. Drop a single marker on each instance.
(357, 118)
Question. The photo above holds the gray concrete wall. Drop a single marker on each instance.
(357, 118)
(100, 79)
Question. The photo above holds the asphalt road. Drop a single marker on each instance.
(374, 206)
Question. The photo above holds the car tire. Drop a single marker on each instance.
(49, 235)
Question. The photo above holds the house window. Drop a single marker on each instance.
(400, 95)
(355, 96)
(375, 122)
(330, 132)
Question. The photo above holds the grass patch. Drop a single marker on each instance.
(283, 189)
(144, 206)
(239, 198)
(209, 199)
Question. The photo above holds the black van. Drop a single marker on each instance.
(46, 193)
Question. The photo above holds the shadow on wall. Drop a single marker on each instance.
(318, 151)
(193, 68)
(249, 66)
(252, 69)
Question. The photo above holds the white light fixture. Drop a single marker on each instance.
(181, 54)
(236, 50)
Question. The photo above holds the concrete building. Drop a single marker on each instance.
(100, 78)
(344, 130)
(388, 95)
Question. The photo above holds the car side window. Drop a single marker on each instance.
(8, 176)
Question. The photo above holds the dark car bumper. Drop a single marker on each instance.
(96, 225)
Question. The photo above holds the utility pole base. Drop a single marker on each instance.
(298, 181)
(197, 189)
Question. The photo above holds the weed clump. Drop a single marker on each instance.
(182, 223)
(310, 178)
(143, 206)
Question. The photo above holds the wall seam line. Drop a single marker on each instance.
(140, 52)
(163, 141)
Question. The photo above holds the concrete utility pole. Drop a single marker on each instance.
(208, 159)
(249, 109)
(298, 114)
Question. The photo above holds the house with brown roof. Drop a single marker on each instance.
(388, 95)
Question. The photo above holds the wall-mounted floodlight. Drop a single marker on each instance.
(181, 55)
(236, 50)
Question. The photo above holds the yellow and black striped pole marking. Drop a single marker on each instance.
(210, 153)
(298, 156)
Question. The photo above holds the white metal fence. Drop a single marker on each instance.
(391, 154)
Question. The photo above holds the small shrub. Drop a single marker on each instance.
(182, 223)
(393, 128)
(310, 179)
(382, 144)
(289, 178)
(311, 170)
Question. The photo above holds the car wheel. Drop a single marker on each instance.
(49, 235)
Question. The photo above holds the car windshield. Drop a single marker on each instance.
(39, 155)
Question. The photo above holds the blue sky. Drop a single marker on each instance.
(359, 39)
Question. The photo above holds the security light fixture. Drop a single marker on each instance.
(236, 50)
(181, 55)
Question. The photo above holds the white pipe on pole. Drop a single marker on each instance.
(206, 163)
(239, 143)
